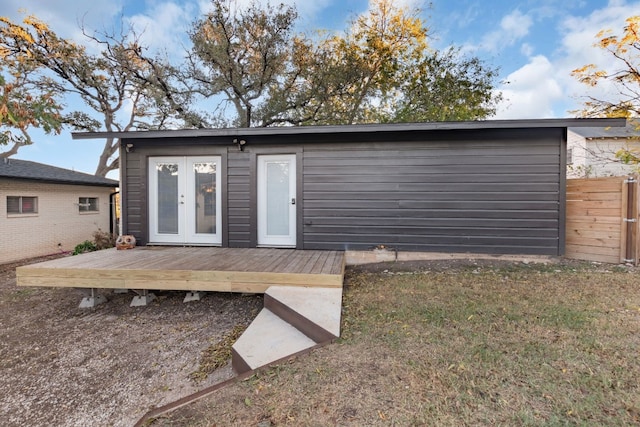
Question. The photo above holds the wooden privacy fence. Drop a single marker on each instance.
(602, 219)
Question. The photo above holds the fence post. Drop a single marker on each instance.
(630, 218)
(634, 214)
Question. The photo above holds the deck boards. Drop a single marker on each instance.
(189, 268)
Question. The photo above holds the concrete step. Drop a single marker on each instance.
(314, 311)
(267, 340)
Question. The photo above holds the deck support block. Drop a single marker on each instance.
(93, 299)
(121, 291)
(193, 296)
(143, 298)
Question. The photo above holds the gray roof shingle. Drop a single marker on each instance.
(27, 170)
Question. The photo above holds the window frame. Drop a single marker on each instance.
(569, 156)
(86, 203)
(21, 204)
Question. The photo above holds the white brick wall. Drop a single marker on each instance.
(577, 146)
(596, 158)
(57, 227)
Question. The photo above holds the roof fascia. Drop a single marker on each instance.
(366, 128)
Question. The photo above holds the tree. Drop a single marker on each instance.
(105, 81)
(380, 70)
(23, 105)
(445, 86)
(624, 77)
(243, 54)
(378, 49)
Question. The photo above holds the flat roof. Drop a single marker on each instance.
(631, 130)
(364, 128)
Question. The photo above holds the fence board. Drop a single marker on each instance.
(586, 233)
(597, 242)
(594, 185)
(591, 253)
(595, 228)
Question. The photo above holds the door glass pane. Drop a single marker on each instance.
(277, 198)
(167, 174)
(205, 200)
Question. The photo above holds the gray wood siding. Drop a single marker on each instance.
(134, 197)
(491, 191)
(494, 196)
(239, 205)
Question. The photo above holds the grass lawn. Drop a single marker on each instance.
(463, 344)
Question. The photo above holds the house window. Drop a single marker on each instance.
(22, 205)
(570, 156)
(88, 204)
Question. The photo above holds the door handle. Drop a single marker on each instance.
(293, 200)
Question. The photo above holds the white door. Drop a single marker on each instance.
(277, 200)
(184, 200)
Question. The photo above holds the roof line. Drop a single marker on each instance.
(62, 181)
(27, 170)
(362, 128)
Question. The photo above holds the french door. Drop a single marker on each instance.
(184, 200)
(277, 200)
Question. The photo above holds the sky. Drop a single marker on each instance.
(535, 44)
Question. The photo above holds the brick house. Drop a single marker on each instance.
(591, 151)
(46, 209)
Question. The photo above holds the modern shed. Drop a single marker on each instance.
(493, 187)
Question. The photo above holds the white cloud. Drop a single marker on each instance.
(527, 49)
(530, 92)
(164, 27)
(544, 87)
(513, 27)
(577, 47)
(65, 17)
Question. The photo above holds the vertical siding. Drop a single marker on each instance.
(494, 196)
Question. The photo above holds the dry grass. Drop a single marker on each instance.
(217, 355)
(508, 344)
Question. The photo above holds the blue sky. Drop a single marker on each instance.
(535, 43)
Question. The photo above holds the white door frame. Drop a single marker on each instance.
(155, 236)
(186, 202)
(286, 203)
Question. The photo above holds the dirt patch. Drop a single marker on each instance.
(66, 366)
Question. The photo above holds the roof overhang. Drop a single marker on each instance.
(116, 184)
(352, 129)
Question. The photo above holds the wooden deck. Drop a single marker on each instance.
(189, 268)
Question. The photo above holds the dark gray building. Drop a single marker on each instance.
(480, 187)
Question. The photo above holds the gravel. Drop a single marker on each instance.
(108, 365)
